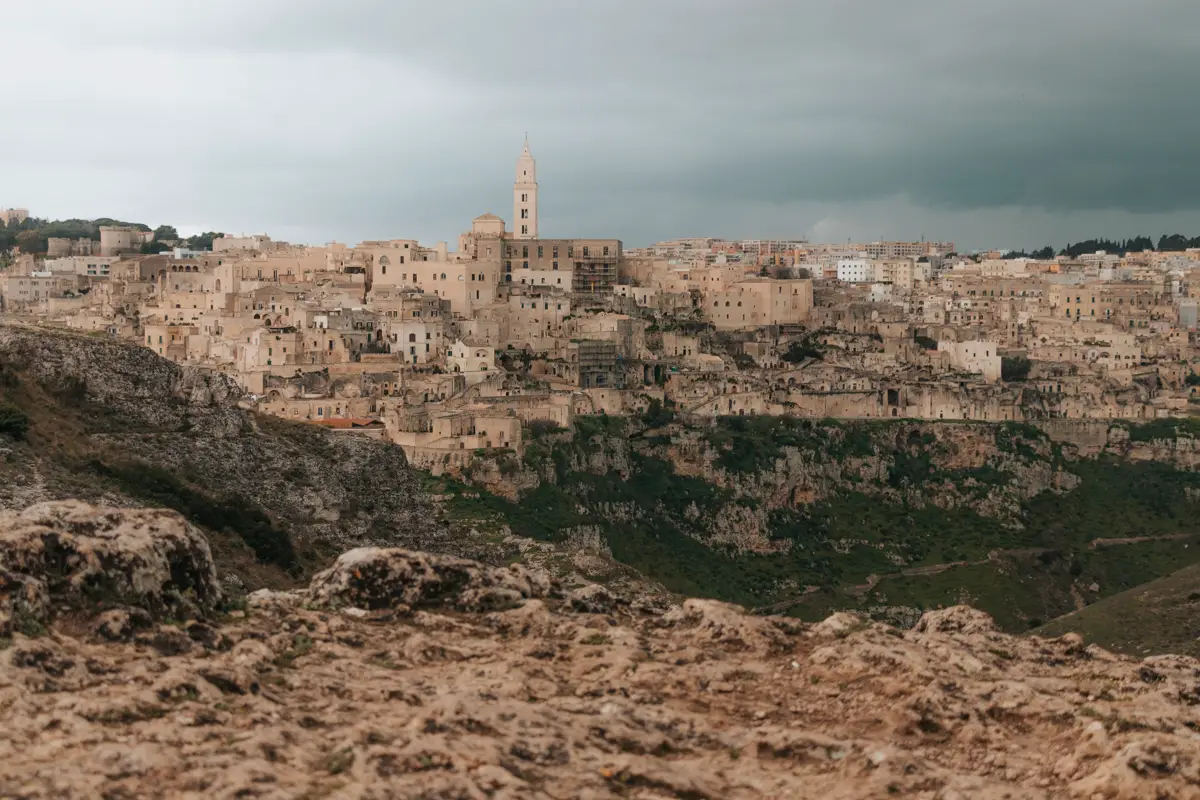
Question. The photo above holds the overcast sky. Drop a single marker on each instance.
(1011, 123)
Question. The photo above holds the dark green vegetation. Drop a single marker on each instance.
(32, 234)
(877, 516)
(804, 349)
(14, 422)
(1163, 429)
(1014, 368)
(1161, 616)
(1166, 243)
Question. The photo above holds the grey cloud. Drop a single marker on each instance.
(1017, 123)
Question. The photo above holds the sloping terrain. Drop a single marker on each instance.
(399, 674)
(112, 422)
(1161, 616)
(888, 518)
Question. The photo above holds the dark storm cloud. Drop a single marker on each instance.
(1016, 123)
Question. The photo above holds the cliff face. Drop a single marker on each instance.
(887, 517)
(400, 674)
(115, 422)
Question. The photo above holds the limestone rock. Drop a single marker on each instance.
(69, 555)
(704, 701)
(120, 624)
(374, 578)
(594, 599)
(342, 491)
(956, 619)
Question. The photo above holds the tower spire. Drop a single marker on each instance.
(525, 199)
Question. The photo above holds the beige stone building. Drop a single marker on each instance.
(13, 215)
(759, 302)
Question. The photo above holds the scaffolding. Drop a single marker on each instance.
(594, 275)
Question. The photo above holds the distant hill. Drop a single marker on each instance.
(1161, 616)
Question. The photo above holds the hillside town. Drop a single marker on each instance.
(450, 352)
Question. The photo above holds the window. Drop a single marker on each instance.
(571, 251)
(412, 337)
(540, 249)
(525, 251)
(556, 265)
(524, 213)
(524, 265)
(556, 251)
(585, 251)
(605, 249)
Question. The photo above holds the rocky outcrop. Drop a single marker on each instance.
(70, 556)
(342, 696)
(109, 418)
(373, 578)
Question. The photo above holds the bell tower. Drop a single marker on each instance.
(525, 196)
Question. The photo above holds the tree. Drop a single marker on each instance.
(802, 350)
(1176, 243)
(166, 233)
(1014, 368)
(657, 415)
(926, 342)
(202, 241)
(155, 247)
(31, 242)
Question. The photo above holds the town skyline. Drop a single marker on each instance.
(317, 125)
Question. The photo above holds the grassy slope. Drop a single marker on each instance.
(1162, 616)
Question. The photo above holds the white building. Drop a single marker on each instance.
(474, 360)
(90, 266)
(855, 270)
(974, 356)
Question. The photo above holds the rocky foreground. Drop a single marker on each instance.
(127, 673)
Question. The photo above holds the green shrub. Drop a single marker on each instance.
(13, 421)
(540, 428)
(657, 415)
(1164, 429)
(1014, 368)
